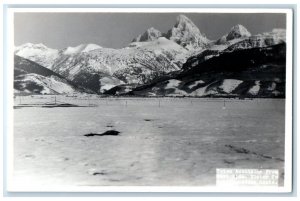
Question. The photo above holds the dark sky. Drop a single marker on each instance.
(60, 30)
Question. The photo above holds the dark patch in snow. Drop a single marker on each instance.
(60, 105)
(99, 173)
(48, 105)
(228, 162)
(109, 126)
(147, 119)
(29, 156)
(238, 149)
(115, 180)
(246, 151)
(133, 164)
(109, 132)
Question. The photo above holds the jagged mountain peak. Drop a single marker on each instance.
(182, 19)
(238, 31)
(149, 35)
(152, 29)
(186, 33)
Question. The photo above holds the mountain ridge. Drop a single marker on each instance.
(151, 57)
(32, 78)
(255, 72)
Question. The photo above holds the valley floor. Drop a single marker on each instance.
(162, 141)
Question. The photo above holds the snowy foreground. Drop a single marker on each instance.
(167, 141)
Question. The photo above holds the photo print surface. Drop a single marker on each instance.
(172, 99)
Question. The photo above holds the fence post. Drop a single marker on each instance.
(224, 106)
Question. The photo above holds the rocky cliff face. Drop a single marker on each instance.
(187, 34)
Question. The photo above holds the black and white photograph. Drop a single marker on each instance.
(151, 98)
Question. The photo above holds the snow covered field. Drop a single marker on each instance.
(162, 141)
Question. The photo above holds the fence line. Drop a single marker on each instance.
(126, 101)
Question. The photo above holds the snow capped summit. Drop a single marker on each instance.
(40, 46)
(186, 34)
(38, 53)
(279, 31)
(277, 36)
(183, 20)
(46, 56)
(149, 35)
(236, 34)
(237, 31)
(80, 48)
(30, 47)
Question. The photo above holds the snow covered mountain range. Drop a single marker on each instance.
(152, 62)
(139, 63)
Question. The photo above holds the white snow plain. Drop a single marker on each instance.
(163, 141)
